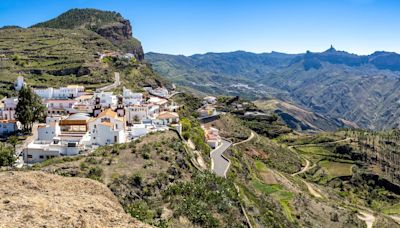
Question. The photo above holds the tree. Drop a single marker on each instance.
(29, 108)
(13, 141)
(7, 157)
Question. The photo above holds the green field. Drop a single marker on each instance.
(336, 169)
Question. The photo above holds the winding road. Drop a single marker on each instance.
(220, 164)
(112, 86)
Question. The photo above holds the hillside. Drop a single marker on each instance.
(301, 119)
(36, 199)
(70, 55)
(334, 84)
(110, 25)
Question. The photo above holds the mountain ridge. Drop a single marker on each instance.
(335, 84)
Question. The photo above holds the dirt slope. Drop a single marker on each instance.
(37, 199)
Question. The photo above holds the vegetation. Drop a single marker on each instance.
(192, 130)
(200, 199)
(29, 108)
(7, 155)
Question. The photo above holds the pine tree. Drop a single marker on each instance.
(29, 108)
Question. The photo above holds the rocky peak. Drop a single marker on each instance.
(110, 25)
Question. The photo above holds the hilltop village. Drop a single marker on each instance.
(79, 121)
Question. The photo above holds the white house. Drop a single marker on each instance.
(206, 111)
(70, 137)
(107, 128)
(8, 110)
(138, 113)
(8, 127)
(161, 92)
(60, 107)
(19, 83)
(46, 132)
(71, 91)
(166, 118)
(161, 102)
(212, 136)
(131, 98)
(107, 99)
(210, 100)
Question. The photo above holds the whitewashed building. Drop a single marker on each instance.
(70, 137)
(8, 108)
(212, 136)
(59, 107)
(107, 128)
(131, 98)
(107, 99)
(71, 91)
(19, 83)
(138, 113)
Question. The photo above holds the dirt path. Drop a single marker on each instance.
(368, 218)
(244, 141)
(312, 191)
(305, 169)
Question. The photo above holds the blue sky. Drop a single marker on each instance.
(199, 26)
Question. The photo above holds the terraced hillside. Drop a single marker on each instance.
(61, 56)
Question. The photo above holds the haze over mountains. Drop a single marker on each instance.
(362, 89)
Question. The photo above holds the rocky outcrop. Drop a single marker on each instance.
(37, 199)
(120, 34)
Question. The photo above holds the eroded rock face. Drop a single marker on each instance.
(120, 34)
(37, 199)
(117, 31)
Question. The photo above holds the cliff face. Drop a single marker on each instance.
(37, 199)
(120, 34)
(110, 25)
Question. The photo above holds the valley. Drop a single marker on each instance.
(126, 139)
(335, 84)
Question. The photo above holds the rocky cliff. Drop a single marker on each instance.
(110, 25)
(37, 199)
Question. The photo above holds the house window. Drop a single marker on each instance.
(41, 156)
(29, 155)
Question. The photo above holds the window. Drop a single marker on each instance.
(29, 155)
(41, 156)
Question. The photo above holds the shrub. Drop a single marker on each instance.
(95, 173)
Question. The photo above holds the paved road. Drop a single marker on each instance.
(112, 86)
(219, 164)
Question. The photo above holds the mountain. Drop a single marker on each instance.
(110, 25)
(334, 84)
(67, 49)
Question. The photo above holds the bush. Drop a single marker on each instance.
(145, 155)
(84, 166)
(95, 173)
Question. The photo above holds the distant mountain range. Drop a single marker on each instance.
(361, 89)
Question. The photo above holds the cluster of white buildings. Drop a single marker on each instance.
(79, 121)
(8, 124)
